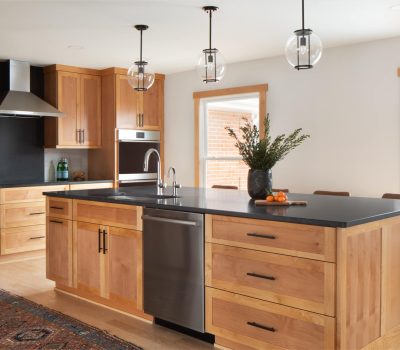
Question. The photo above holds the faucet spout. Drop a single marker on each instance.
(149, 152)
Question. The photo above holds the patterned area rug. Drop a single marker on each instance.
(25, 325)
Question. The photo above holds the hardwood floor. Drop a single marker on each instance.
(24, 275)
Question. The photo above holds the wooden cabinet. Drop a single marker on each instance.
(89, 186)
(139, 110)
(59, 265)
(263, 325)
(90, 260)
(22, 214)
(125, 267)
(125, 108)
(101, 258)
(22, 239)
(27, 194)
(270, 285)
(77, 93)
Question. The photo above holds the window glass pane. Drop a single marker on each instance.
(219, 143)
(226, 172)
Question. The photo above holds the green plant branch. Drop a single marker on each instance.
(263, 154)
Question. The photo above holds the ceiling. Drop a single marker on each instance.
(99, 33)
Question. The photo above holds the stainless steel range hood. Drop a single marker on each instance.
(16, 98)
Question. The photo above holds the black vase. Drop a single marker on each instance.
(259, 183)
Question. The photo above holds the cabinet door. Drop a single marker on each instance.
(59, 251)
(125, 267)
(89, 261)
(126, 104)
(153, 106)
(68, 102)
(90, 110)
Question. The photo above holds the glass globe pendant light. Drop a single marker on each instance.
(304, 48)
(140, 76)
(211, 64)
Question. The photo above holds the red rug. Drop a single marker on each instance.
(25, 325)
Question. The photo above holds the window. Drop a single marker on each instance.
(220, 162)
(217, 160)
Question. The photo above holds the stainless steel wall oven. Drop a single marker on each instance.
(132, 146)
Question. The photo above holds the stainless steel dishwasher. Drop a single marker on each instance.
(173, 267)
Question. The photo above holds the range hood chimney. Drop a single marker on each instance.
(16, 98)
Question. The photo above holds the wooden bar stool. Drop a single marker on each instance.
(391, 195)
(332, 193)
(226, 187)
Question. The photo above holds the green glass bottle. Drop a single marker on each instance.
(60, 170)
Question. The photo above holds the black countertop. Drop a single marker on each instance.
(10, 184)
(330, 211)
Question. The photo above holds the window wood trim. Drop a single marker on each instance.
(261, 89)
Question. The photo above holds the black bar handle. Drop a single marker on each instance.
(37, 213)
(58, 208)
(38, 237)
(252, 274)
(258, 325)
(56, 222)
(104, 241)
(99, 238)
(260, 235)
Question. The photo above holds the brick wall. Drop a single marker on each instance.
(220, 144)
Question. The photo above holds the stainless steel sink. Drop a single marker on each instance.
(141, 197)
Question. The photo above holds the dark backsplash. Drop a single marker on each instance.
(21, 150)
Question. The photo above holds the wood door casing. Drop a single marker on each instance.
(88, 259)
(125, 266)
(89, 120)
(68, 103)
(127, 104)
(59, 251)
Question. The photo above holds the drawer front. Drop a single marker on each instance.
(74, 187)
(101, 213)
(263, 325)
(23, 239)
(302, 283)
(23, 214)
(314, 242)
(59, 208)
(27, 194)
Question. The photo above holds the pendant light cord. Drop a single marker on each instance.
(141, 35)
(302, 13)
(210, 27)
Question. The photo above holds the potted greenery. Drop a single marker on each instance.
(261, 154)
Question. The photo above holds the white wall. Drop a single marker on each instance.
(349, 104)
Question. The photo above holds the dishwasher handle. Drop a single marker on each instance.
(170, 221)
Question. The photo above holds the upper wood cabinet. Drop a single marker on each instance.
(77, 93)
(139, 110)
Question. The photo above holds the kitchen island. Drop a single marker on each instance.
(323, 276)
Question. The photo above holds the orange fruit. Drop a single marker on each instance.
(281, 199)
(270, 198)
(281, 194)
(276, 198)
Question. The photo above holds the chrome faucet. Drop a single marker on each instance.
(175, 186)
(160, 184)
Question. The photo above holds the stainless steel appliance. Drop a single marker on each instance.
(132, 147)
(16, 97)
(173, 267)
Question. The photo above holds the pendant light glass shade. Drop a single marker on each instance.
(140, 76)
(211, 64)
(304, 48)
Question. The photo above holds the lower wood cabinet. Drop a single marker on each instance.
(98, 262)
(259, 324)
(59, 265)
(22, 239)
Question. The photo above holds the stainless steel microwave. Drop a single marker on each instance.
(132, 146)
